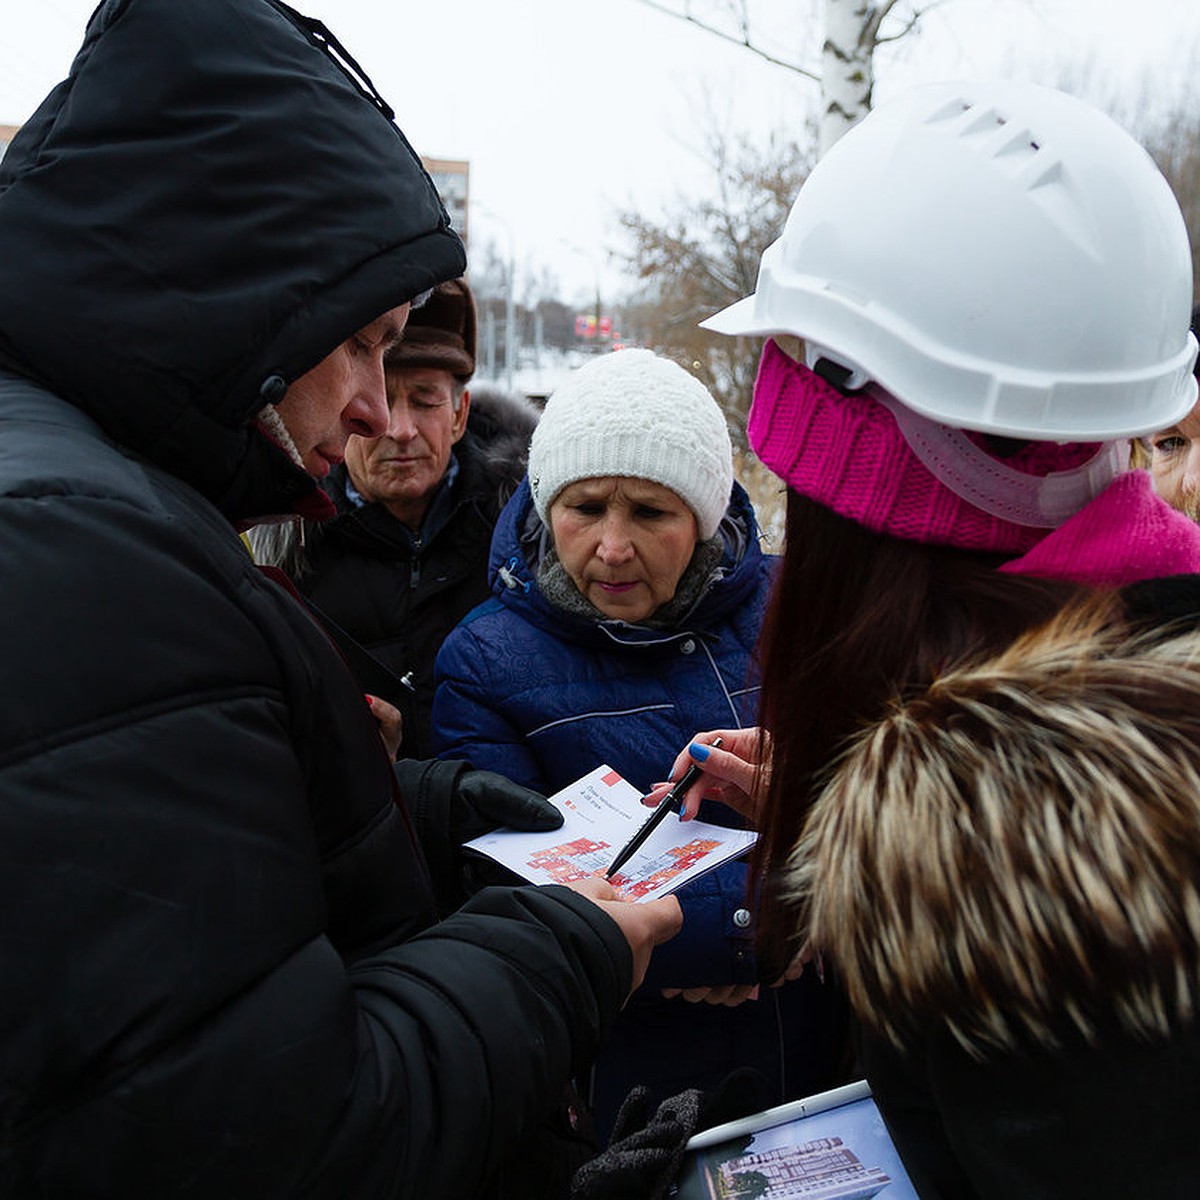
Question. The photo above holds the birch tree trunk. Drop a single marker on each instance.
(847, 73)
(848, 64)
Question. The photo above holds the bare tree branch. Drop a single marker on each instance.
(743, 41)
(908, 25)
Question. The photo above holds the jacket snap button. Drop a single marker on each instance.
(688, 647)
(741, 918)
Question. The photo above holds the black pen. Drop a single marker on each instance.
(651, 823)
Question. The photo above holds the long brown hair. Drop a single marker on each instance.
(856, 619)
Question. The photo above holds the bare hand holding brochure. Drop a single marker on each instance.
(601, 812)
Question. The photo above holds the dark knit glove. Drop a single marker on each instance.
(646, 1150)
(643, 1157)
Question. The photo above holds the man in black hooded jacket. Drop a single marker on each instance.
(222, 972)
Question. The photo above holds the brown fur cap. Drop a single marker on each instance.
(441, 333)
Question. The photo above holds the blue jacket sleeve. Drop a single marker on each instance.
(468, 719)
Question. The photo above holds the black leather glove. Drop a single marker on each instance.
(484, 800)
(451, 803)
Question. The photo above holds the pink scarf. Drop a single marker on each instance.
(1125, 535)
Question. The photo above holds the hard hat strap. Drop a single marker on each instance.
(1042, 501)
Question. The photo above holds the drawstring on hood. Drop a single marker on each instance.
(320, 35)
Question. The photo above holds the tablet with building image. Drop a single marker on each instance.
(833, 1146)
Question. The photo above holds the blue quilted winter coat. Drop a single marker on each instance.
(543, 696)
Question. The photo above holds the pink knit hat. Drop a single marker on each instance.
(848, 453)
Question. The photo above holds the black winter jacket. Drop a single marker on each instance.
(221, 975)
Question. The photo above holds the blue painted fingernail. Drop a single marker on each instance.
(698, 751)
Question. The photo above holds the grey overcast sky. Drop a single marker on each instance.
(568, 110)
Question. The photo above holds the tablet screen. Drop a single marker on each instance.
(834, 1146)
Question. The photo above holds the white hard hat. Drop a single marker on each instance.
(1000, 257)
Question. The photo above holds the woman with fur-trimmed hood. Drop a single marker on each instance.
(993, 286)
(1006, 870)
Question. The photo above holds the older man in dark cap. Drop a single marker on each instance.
(406, 557)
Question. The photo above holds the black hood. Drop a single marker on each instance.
(205, 208)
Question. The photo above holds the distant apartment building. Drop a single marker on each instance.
(452, 177)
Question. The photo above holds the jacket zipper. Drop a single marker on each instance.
(414, 574)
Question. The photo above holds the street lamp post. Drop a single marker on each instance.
(489, 341)
(510, 306)
(510, 331)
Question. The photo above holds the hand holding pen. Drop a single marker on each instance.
(671, 802)
(732, 775)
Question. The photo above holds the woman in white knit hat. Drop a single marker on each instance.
(629, 588)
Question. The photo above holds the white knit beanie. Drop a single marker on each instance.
(634, 414)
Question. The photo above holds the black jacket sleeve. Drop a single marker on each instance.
(224, 979)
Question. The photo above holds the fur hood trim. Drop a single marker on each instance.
(502, 423)
(1015, 854)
